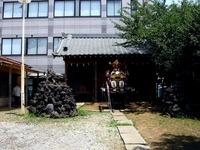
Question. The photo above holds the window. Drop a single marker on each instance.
(113, 7)
(37, 46)
(35, 9)
(90, 7)
(64, 8)
(12, 10)
(38, 9)
(34, 46)
(56, 43)
(11, 46)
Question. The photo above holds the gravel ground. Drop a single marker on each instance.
(91, 132)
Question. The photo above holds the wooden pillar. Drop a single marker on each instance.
(95, 81)
(26, 89)
(10, 87)
(66, 70)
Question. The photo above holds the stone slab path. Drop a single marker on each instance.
(130, 136)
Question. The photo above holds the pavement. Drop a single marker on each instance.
(129, 134)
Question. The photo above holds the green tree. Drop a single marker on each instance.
(168, 31)
(172, 33)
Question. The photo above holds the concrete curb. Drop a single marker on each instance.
(78, 105)
(130, 136)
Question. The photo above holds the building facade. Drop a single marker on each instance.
(46, 20)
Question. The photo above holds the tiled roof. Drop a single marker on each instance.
(10, 63)
(94, 46)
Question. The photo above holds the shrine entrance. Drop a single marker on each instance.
(81, 80)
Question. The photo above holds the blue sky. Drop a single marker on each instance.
(168, 2)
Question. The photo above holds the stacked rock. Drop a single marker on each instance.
(54, 98)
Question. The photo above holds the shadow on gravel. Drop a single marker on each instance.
(11, 113)
(170, 142)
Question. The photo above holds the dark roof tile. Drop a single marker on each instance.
(94, 46)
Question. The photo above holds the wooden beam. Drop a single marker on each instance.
(95, 81)
(10, 87)
(26, 89)
(66, 71)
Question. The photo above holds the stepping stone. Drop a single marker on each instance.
(117, 113)
(127, 122)
(127, 129)
(137, 147)
(116, 118)
(131, 135)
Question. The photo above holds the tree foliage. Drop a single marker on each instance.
(172, 32)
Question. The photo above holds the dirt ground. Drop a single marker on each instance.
(91, 131)
(92, 106)
(160, 132)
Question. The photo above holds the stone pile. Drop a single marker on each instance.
(54, 98)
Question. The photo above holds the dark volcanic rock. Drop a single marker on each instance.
(54, 98)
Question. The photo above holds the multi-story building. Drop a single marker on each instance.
(46, 20)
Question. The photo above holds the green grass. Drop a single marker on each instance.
(163, 132)
(83, 112)
(30, 117)
(15, 115)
